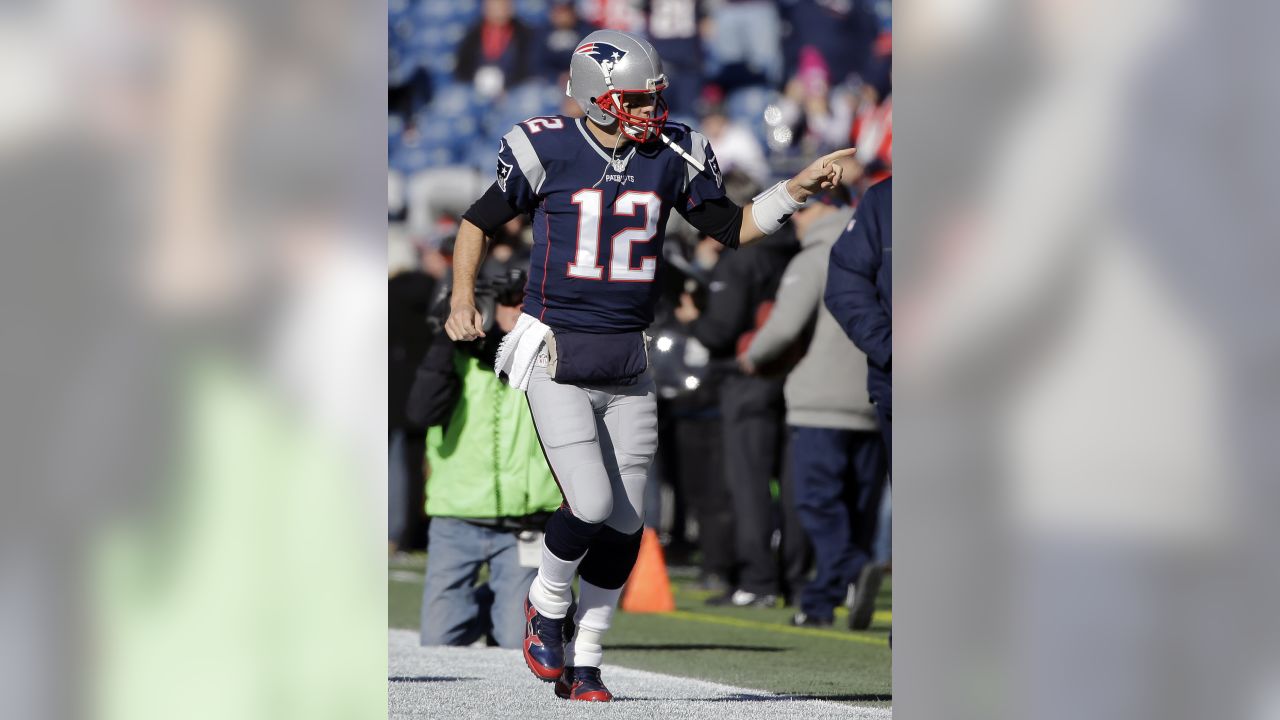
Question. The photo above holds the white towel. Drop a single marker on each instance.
(519, 349)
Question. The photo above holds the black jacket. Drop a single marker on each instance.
(740, 282)
(437, 384)
(516, 61)
(409, 297)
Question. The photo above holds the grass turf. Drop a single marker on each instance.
(748, 647)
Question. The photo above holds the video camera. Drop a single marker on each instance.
(493, 290)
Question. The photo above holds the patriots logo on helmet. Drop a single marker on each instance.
(604, 53)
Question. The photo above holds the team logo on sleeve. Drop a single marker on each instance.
(604, 53)
(715, 170)
(504, 168)
(504, 171)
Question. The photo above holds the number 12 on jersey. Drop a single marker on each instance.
(586, 261)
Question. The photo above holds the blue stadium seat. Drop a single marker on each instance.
(431, 12)
(400, 65)
(409, 159)
(453, 31)
(398, 9)
(395, 131)
(458, 99)
(552, 97)
(482, 154)
(535, 13)
(468, 11)
(448, 126)
(529, 99)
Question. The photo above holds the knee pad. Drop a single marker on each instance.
(569, 537)
(590, 494)
(583, 480)
(610, 559)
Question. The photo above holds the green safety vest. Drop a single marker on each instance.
(487, 462)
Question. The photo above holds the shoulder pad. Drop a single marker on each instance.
(678, 132)
(522, 148)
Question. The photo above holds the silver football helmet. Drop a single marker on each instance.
(609, 72)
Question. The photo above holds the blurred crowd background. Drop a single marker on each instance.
(194, 220)
(772, 84)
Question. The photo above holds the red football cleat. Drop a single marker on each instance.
(582, 683)
(543, 644)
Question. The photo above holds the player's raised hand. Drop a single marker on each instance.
(464, 323)
(825, 172)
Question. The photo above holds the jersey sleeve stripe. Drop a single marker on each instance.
(698, 149)
(526, 158)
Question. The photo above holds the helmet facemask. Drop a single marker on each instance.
(615, 103)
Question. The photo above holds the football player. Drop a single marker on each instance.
(599, 190)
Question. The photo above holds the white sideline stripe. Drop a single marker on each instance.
(456, 682)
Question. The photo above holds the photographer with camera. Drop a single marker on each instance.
(490, 491)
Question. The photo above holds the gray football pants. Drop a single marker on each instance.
(599, 440)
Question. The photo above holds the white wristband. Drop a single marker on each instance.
(773, 207)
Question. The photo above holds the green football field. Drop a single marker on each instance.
(746, 647)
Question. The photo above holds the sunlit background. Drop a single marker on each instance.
(194, 368)
(194, 364)
(1087, 363)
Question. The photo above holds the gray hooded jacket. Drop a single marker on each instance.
(828, 388)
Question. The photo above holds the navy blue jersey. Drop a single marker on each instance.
(598, 217)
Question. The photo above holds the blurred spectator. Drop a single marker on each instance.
(859, 294)
(752, 414)
(745, 42)
(872, 134)
(674, 28)
(737, 149)
(612, 14)
(498, 52)
(490, 490)
(711, 55)
(843, 32)
(407, 97)
(838, 461)
(556, 46)
(690, 445)
(437, 261)
(409, 299)
(819, 118)
(507, 249)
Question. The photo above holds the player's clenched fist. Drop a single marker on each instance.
(464, 323)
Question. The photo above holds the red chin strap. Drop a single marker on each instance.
(635, 127)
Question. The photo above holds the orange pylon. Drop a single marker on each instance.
(648, 589)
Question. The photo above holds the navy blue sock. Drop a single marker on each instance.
(567, 536)
(610, 558)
